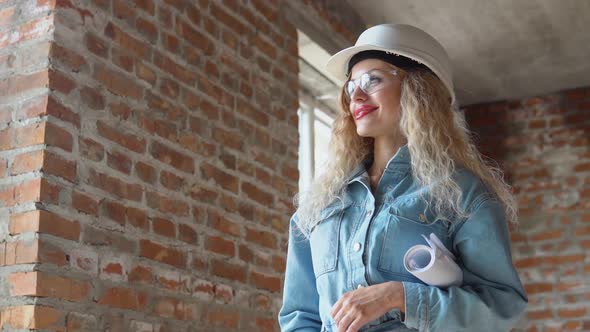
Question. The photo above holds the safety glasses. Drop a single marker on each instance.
(370, 82)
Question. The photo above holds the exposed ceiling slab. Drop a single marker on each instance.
(500, 49)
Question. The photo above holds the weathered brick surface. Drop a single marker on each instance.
(148, 157)
(542, 144)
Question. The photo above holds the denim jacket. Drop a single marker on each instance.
(361, 240)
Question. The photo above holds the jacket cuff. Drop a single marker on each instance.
(416, 314)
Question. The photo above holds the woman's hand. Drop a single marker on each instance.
(360, 306)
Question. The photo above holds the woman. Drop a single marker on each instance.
(402, 165)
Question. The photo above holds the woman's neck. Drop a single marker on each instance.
(383, 149)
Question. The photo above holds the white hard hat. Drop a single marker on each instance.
(400, 39)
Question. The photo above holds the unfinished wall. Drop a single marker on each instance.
(148, 157)
(543, 144)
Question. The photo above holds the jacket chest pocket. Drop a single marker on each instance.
(324, 241)
(403, 231)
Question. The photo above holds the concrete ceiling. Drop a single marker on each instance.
(500, 49)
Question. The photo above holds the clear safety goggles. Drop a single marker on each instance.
(370, 82)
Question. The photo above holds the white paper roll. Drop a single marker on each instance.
(433, 265)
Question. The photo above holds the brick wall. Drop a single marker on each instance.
(148, 158)
(543, 144)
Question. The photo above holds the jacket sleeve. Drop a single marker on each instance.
(300, 309)
(491, 298)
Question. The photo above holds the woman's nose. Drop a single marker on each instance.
(358, 94)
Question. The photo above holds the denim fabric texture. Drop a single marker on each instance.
(361, 240)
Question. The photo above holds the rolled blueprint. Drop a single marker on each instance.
(433, 263)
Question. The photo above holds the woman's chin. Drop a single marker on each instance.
(364, 133)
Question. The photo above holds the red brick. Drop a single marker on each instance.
(161, 128)
(257, 194)
(172, 157)
(27, 162)
(291, 172)
(539, 315)
(118, 242)
(279, 263)
(60, 82)
(164, 227)
(167, 307)
(265, 324)
(119, 161)
(15, 85)
(194, 37)
(96, 45)
(137, 217)
(572, 313)
(165, 204)
(142, 274)
(123, 298)
(187, 234)
(145, 73)
(263, 238)
(122, 10)
(113, 268)
(81, 322)
(115, 186)
(171, 180)
(228, 270)
(157, 252)
(90, 149)
(118, 83)
(224, 318)
(225, 180)
(138, 47)
(85, 203)
(33, 134)
(224, 225)
(59, 137)
(20, 252)
(29, 191)
(145, 172)
(56, 109)
(92, 98)
(34, 317)
(3, 167)
(123, 60)
(42, 221)
(113, 210)
(538, 288)
(220, 245)
(177, 71)
(548, 235)
(582, 167)
(58, 166)
(45, 285)
(233, 140)
(50, 191)
(74, 61)
(262, 281)
(129, 141)
(145, 5)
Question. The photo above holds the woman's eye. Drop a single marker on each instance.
(375, 79)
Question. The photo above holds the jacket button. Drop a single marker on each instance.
(357, 246)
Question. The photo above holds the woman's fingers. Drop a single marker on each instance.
(345, 321)
(356, 325)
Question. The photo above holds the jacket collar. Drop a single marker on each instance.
(401, 161)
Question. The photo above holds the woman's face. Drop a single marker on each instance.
(376, 113)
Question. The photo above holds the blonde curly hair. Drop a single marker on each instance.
(438, 140)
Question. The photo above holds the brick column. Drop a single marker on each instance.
(148, 158)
